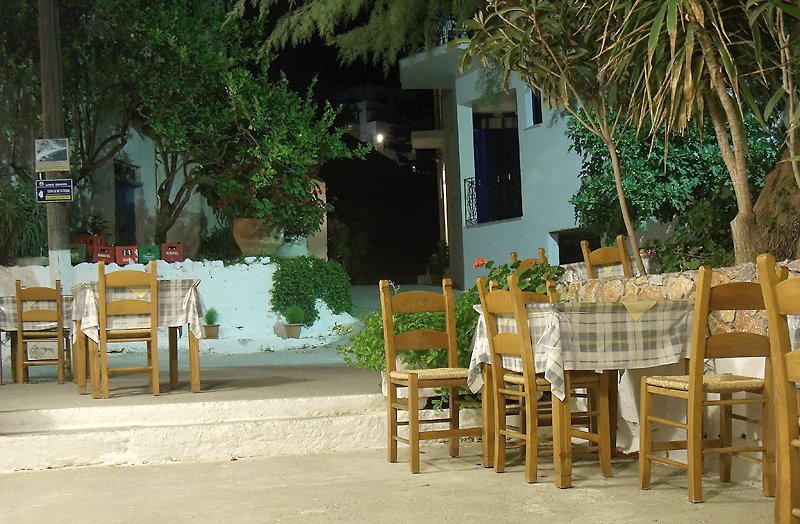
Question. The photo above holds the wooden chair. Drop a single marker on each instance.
(29, 310)
(520, 391)
(696, 387)
(782, 298)
(527, 263)
(605, 256)
(452, 377)
(144, 307)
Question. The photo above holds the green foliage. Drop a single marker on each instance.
(661, 187)
(439, 262)
(347, 245)
(373, 32)
(701, 237)
(211, 317)
(218, 244)
(301, 281)
(23, 222)
(366, 348)
(294, 315)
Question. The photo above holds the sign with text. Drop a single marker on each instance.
(52, 154)
(55, 190)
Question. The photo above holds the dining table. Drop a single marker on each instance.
(599, 336)
(8, 325)
(179, 304)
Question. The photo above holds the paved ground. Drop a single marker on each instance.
(364, 487)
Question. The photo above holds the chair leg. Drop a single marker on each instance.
(391, 402)
(768, 473)
(499, 429)
(413, 422)
(155, 386)
(726, 438)
(530, 419)
(454, 420)
(603, 424)
(68, 360)
(645, 437)
(104, 370)
(60, 359)
(94, 367)
(694, 449)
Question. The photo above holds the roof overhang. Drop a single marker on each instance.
(432, 139)
(436, 68)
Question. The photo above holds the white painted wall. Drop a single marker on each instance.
(549, 178)
(241, 294)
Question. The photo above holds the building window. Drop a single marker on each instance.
(536, 108)
(496, 191)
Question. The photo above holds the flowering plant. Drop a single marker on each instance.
(533, 278)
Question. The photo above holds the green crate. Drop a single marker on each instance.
(148, 253)
(78, 253)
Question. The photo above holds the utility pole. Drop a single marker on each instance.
(53, 119)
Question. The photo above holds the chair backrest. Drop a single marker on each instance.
(605, 256)
(139, 289)
(782, 298)
(497, 303)
(527, 263)
(30, 303)
(730, 296)
(418, 301)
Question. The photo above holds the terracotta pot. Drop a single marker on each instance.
(292, 330)
(211, 331)
(255, 237)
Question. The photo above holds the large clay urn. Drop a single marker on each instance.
(254, 237)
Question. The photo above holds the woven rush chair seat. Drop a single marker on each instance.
(782, 298)
(430, 374)
(701, 392)
(394, 307)
(128, 334)
(725, 383)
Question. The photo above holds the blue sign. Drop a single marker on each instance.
(54, 190)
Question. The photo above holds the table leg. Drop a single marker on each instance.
(79, 349)
(17, 354)
(173, 357)
(194, 362)
(487, 409)
(12, 335)
(562, 441)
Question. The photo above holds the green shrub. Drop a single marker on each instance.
(212, 317)
(294, 315)
(366, 348)
(218, 244)
(18, 206)
(301, 281)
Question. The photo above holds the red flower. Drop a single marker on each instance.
(479, 262)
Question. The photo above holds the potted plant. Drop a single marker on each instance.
(265, 178)
(439, 263)
(211, 324)
(295, 316)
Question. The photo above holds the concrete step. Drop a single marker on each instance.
(127, 435)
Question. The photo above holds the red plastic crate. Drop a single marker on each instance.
(104, 253)
(126, 255)
(172, 252)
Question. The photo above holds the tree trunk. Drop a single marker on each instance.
(623, 205)
(778, 212)
(53, 120)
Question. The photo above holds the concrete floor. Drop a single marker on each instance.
(363, 487)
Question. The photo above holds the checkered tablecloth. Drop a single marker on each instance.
(179, 303)
(8, 314)
(593, 336)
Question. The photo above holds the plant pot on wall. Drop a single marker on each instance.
(211, 331)
(255, 237)
(292, 330)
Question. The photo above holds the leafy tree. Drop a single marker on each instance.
(662, 188)
(552, 46)
(373, 31)
(687, 60)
